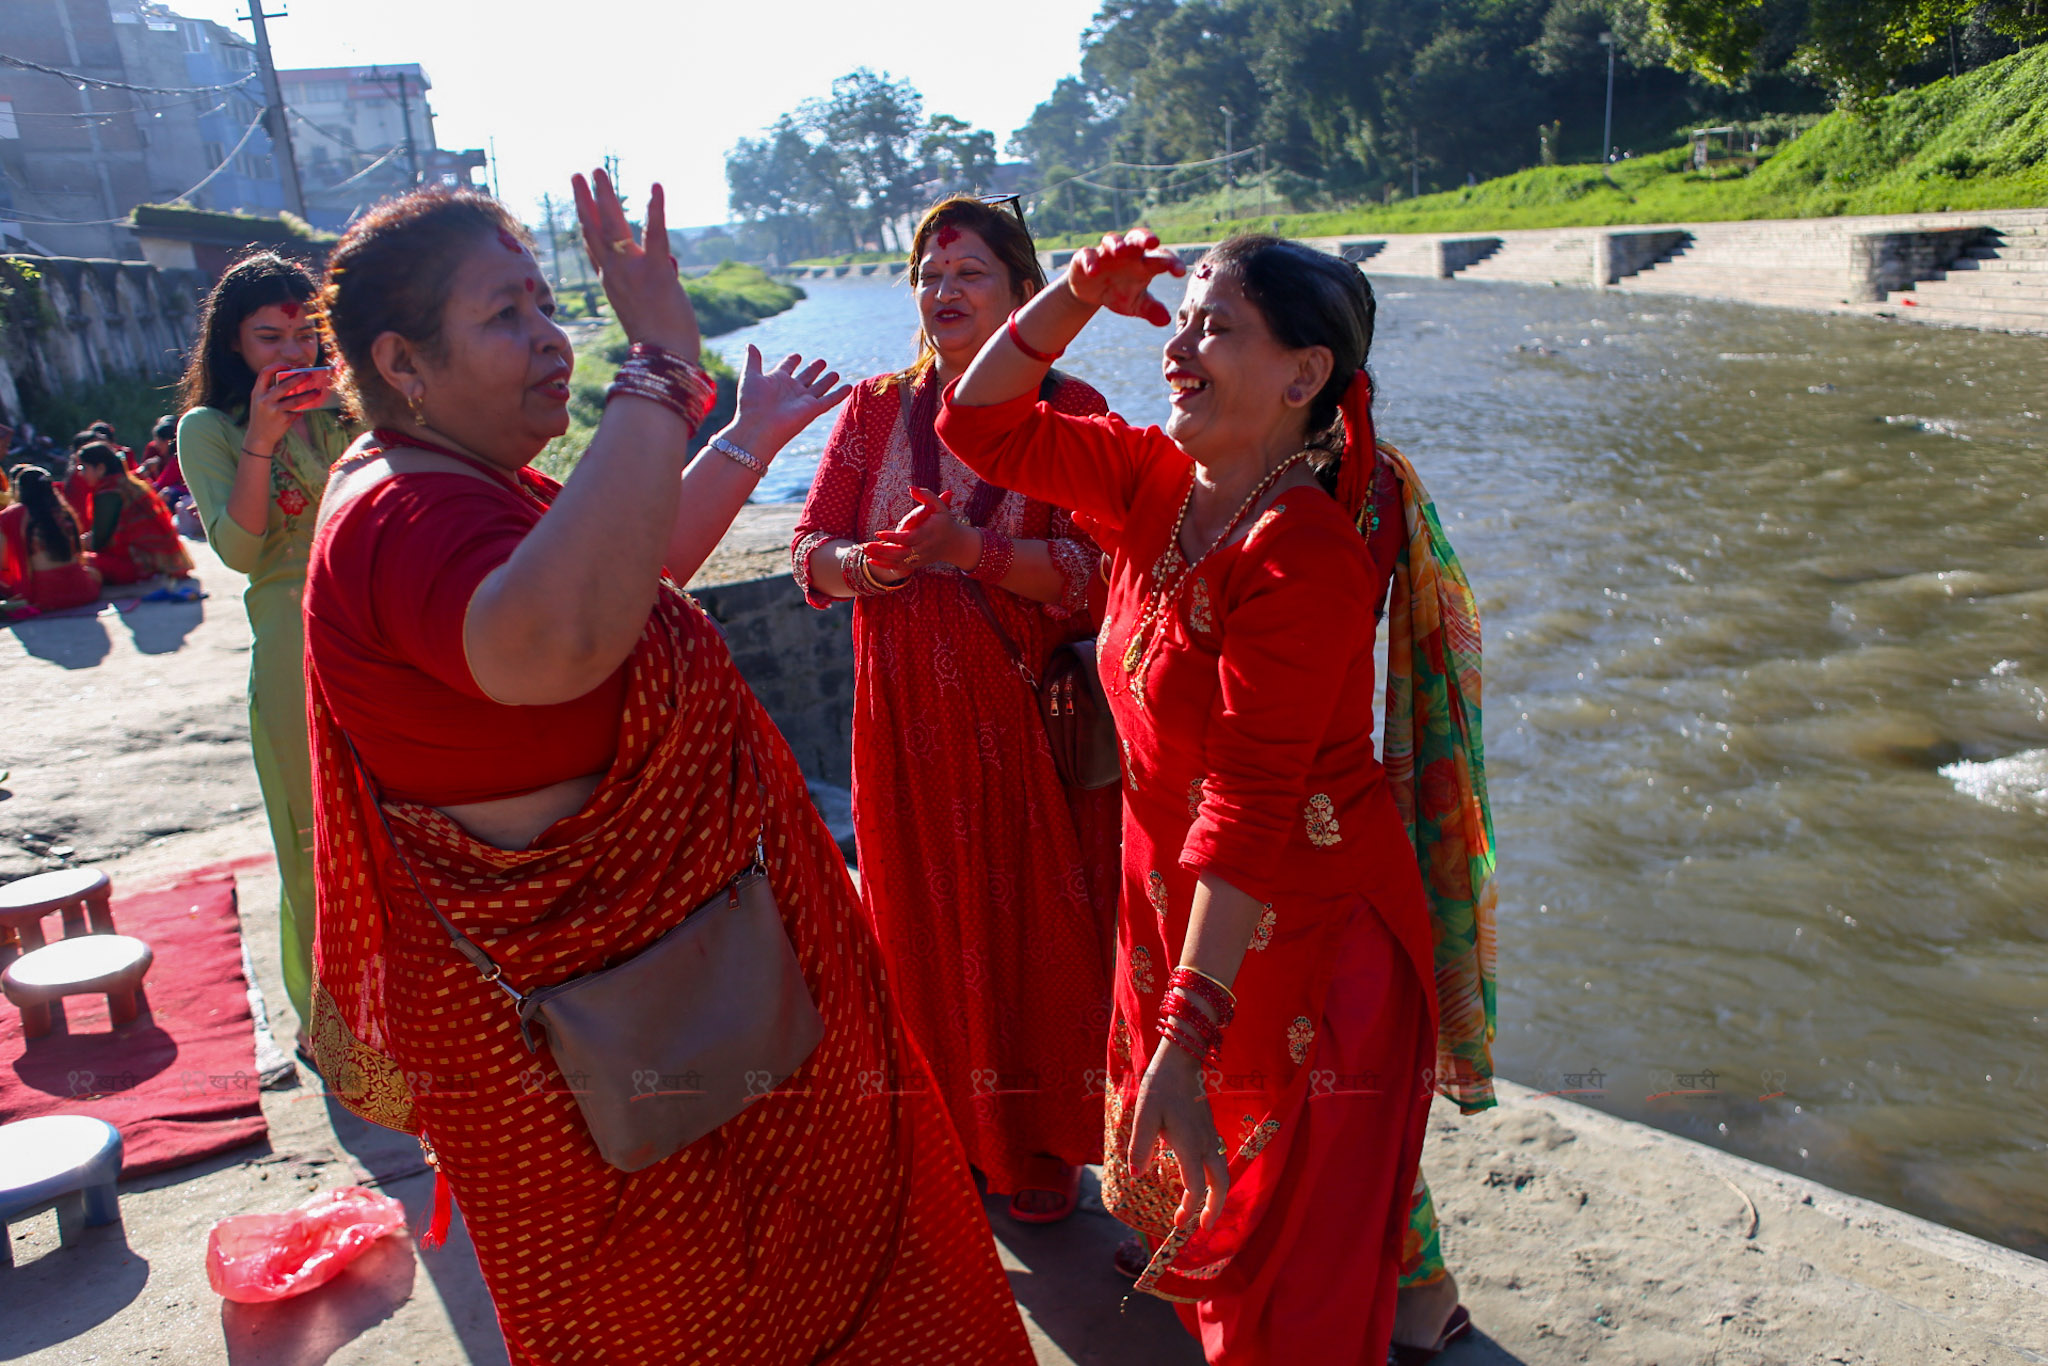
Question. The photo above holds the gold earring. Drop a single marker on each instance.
(419, 409)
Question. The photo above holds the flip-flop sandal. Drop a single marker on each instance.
(1132, 1256)
(1044, 1172)
(1455, 1327)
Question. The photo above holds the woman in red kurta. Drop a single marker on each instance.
(992, 885)
(1263, 851)
(133, 537)
(517, 715)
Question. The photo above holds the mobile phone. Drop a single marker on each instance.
(321, 374)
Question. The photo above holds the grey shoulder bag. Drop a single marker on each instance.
(664, 1047)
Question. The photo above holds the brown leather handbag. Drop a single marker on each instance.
(1071, 703)
(669, 1044)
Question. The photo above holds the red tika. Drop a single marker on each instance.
(832, 1221)
(1248, 748)
(992, 887)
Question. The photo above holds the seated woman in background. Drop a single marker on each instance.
(132, 535)
(978, 866)
(42, 559)
(516, 712)
(160, 458)
(1275, 924)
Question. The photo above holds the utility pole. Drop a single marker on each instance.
(1229, 128)
(412, 150)
(494, 169)
(1414, 163)
(547, 207)
(274, 117)
(1607, 128)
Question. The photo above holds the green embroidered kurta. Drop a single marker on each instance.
(209, 449)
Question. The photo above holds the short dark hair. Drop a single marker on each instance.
(102, 455)
(391, 272)
(1308, 298)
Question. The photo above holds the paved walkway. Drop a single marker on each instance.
(1577, 1237)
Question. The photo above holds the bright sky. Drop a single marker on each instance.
(668, 87)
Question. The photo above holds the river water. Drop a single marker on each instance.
(1766, 608)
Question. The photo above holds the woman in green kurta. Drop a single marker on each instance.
(255, 451)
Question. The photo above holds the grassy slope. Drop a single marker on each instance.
(1977, 142)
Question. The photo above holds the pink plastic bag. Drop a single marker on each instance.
(251, 1258)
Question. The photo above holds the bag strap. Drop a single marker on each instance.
(486, 966)
(988, 612)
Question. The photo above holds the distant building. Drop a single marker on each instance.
(364, 133)
(74, 162)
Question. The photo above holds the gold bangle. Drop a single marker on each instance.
(1186, 967)
(867, 571)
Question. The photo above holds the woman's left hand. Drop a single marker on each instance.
(774, 405)
(1171, 1105)
(931, 533)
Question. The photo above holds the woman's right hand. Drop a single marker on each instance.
(641, 281)
(273, 407)
(1117, 275)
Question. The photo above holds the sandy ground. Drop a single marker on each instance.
(1577, 1237)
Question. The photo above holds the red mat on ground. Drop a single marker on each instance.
(180, 1083)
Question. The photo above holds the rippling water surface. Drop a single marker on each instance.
(1766, 604)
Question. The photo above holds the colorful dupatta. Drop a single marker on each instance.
(1436, 763)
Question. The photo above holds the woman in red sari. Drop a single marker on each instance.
(42, 560)
(133, 537)
(992, 885)
(1274, 1036)
(513, 703)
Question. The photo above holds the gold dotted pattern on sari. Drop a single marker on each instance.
(1142, 978)
(1300, 1034)
(1262, 936)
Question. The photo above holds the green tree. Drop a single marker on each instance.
(873, 125)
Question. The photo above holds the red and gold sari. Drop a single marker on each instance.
(832, 1221)
(145, 541)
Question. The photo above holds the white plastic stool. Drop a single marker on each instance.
(69, 1163)
(83, 965)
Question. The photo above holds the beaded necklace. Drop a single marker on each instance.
(1171, 570)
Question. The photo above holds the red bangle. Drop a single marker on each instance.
(1017, 340)
(1208, 990)
(997, 555)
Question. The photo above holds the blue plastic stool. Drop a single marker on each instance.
(69, 1163)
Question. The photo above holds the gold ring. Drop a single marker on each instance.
(623, 245)
(911, 558)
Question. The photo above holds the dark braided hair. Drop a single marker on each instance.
(50, 523)
(1308, 298)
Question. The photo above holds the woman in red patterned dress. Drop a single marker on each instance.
(992, 885)
(1275, 979)
(518, 717)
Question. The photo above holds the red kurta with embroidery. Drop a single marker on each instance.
(1248, 750)
(833, 1220)
(993, 888)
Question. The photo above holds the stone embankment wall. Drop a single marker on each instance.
(84, 322)
(799, 662)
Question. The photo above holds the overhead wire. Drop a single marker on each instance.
(24, 64)
(15, 215)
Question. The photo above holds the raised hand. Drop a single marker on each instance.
(640, 278)
(1117, 275)
(774, 405)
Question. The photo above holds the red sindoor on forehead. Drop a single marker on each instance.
(948, 235)
(290, 308)
(510, 243)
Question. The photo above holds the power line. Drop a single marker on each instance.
(24, 64)
(247, 133)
